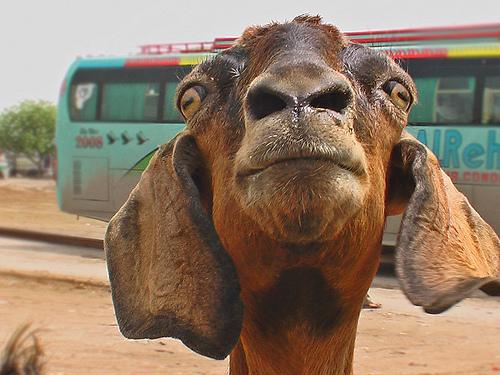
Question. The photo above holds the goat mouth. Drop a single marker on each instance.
(354, 167)
(295, 199)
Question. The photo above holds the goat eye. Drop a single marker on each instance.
(191, 100)
(398, 94)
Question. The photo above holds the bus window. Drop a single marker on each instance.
(171, 113)
(444, 100)
(423, 112)
(130, 102)
(83, 101)
(446, 91)
(491, 101)
(455, 100)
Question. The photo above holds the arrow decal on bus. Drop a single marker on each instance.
(126, 138)
(141, 138)
(111, 138)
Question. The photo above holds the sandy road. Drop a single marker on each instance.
(79, 333)
(80, 336)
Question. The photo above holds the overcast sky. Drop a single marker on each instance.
(40, 38)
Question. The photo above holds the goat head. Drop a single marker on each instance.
(273, 201)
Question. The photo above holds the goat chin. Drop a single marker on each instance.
(302, 200)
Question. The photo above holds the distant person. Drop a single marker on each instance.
(4, 166)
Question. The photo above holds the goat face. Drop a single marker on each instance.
(291, 130)
(274, 198)
(300, 172)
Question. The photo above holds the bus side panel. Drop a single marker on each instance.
(96, 181)
(470, 155)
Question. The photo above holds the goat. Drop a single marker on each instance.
(256, 231)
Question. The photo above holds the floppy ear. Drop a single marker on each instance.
(445, 250)
(170, 274)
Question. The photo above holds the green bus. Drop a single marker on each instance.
(113, 114)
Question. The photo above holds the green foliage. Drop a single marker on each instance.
(29, 128)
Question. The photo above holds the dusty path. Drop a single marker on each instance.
(79, 333)
(80, 336)
(27, 203)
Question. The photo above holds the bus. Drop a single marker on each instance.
(457, 74)
(114, 112)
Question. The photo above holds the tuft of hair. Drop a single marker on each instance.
(306, 18)
(23, 354)
(254, 33)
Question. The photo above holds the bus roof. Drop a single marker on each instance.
(173, 59)
(469, 41)
(435, 42)
(432, 42)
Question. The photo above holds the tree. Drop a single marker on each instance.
(29, 128)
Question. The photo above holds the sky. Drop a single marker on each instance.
(40, 38)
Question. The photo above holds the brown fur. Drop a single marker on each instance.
(289, 166)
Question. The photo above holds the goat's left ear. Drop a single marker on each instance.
(445, 250)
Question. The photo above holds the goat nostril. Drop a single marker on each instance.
(335, 101)
(263, 104)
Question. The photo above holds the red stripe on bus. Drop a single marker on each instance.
(416, 38)
(416, 54)
(168, 61)
(427, 30)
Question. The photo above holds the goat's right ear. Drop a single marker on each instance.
(170, 274)
(445, 250)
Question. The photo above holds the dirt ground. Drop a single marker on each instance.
(76, 325)
(30, 203)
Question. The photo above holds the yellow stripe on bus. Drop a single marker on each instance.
(194, 59)
(474, 51)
